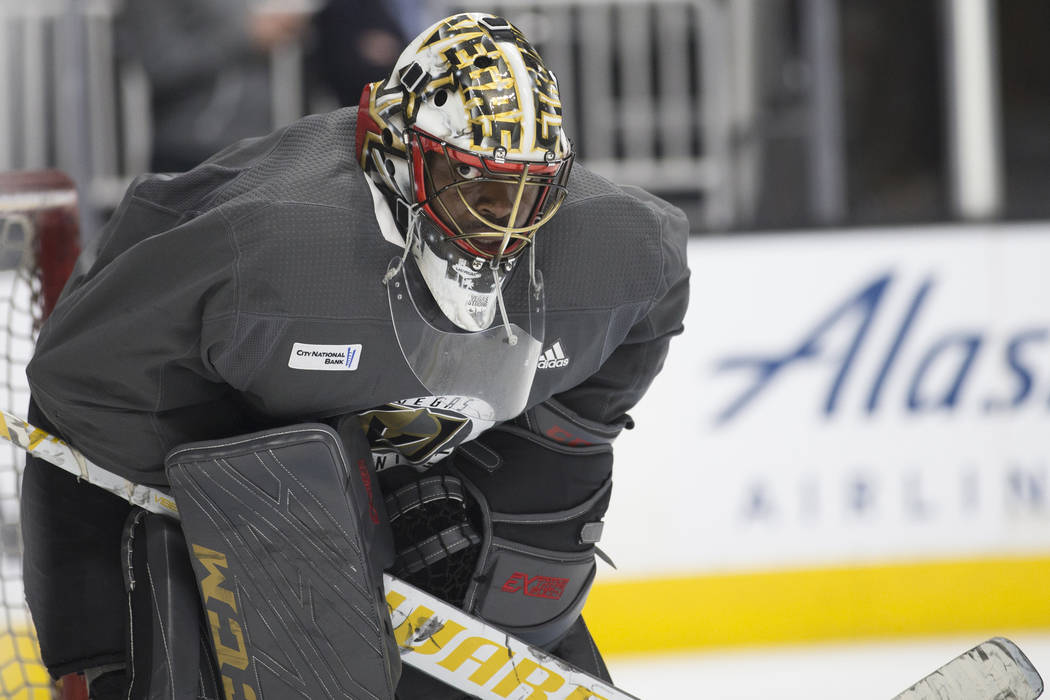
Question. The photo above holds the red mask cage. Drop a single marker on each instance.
(489, 206)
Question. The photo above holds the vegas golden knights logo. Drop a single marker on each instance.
(415, 430)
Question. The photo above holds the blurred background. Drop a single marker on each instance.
(841, 477)
(751, 115)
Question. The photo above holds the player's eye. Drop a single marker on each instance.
(467, 172)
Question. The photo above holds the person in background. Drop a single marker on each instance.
(355, 42)
(208, 65)
(410, 15)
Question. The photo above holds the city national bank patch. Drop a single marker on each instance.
(333, 358)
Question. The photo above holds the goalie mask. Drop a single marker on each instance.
(464, 141)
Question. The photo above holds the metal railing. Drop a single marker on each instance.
(649, 99)
(660, 93)
(67, 101)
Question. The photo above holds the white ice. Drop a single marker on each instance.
(854, 670)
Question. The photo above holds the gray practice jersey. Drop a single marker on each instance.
(207, 288)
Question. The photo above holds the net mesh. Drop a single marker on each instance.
(427, 561)
(38, 244)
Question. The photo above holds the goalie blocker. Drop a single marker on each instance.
(287, 546)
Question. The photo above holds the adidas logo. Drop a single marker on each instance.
(553, 357)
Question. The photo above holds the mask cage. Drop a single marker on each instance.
(540, 185)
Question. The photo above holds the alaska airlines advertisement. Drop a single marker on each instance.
(846, 398)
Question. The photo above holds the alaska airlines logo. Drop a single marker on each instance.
(938, 381)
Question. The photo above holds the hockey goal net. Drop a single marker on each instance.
(39, 244)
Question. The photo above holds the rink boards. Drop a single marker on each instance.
(848, 441)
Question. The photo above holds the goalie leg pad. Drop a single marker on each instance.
(168, 654)
(71, 536)
(288, 546)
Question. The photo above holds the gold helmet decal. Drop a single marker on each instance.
(473, 81)
(484, 74)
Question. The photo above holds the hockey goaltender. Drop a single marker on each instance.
(421, 302)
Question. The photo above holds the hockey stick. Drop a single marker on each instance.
(438, 638)
(433, 636)
(996, 669)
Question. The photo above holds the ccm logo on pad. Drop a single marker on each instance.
(535, 586)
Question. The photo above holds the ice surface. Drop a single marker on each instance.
(855, 670)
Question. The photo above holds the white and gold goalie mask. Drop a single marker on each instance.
(465, 141)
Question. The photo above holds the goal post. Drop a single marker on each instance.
(39, 245)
